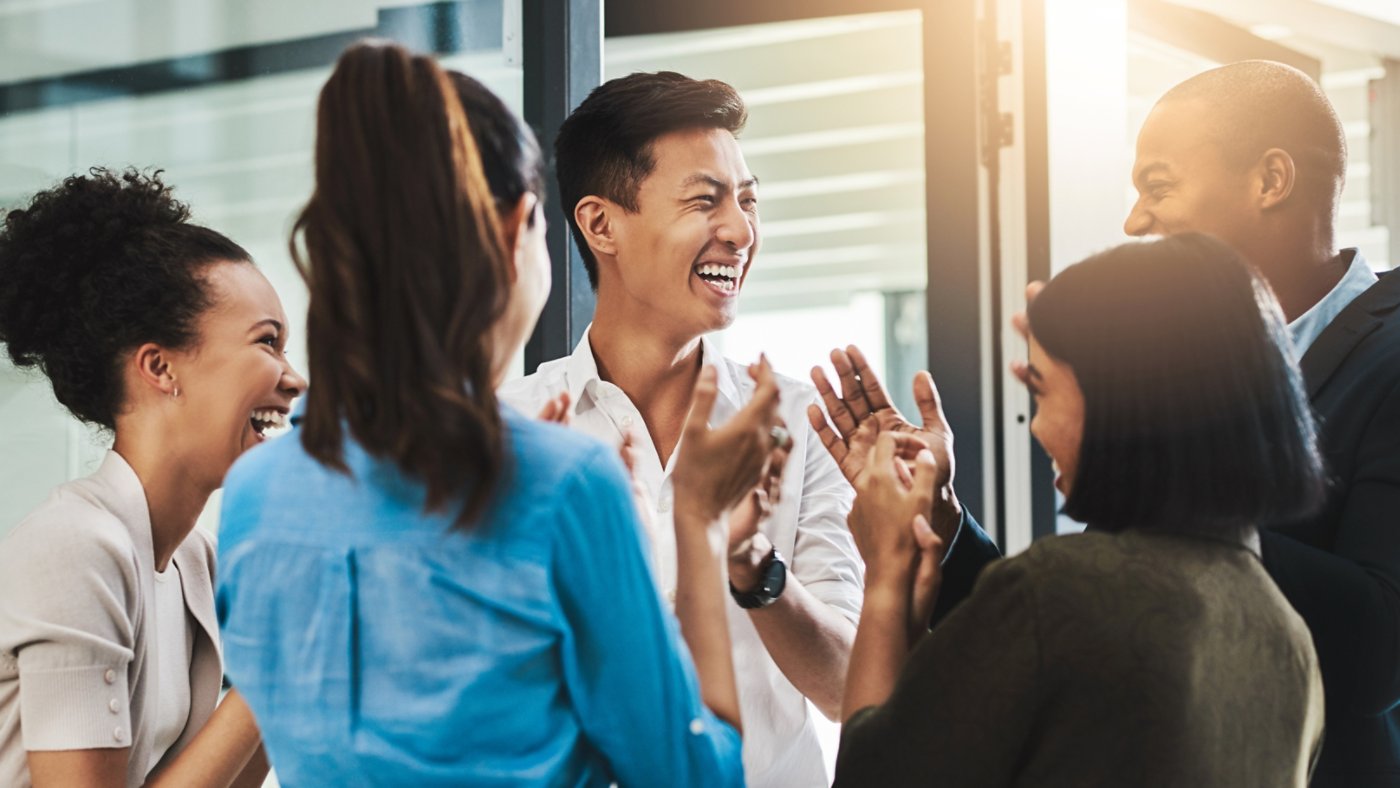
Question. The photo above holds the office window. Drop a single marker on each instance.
(221, 95)
(835, 135)
(1106, 70)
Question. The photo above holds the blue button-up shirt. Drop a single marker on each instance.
(1307, 327)
(378, 645)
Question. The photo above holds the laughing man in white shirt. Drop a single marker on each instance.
(665, 212)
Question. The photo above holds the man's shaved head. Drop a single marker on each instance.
(1256, 105)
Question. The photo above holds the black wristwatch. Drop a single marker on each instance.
(772, 581)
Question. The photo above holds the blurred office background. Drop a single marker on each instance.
(920, 161)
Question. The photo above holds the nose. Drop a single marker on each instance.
(736, 226)
(1036, 430)
(1139, 221)
(292, 383)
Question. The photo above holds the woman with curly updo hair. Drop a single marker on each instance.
(163, 333)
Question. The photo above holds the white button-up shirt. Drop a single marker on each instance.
(808, 526)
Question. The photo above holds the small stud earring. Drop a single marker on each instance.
(175, 394)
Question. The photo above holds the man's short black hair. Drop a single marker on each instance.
(604, 147)
(1255, 105)
(1195, 415)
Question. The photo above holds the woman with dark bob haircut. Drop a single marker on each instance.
(164, 334)
(1152, 649)
(423, 587)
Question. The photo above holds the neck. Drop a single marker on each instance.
(1301, 271)
(174, 496)
(657, 371)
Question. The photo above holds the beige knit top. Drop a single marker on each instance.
(77, 590)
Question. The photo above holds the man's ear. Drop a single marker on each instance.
(152, 364)
(517, 224)
(1278, 176)
(594, 217)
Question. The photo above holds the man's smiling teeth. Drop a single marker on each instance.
(726, 271)
(268, 419)
(725, 277)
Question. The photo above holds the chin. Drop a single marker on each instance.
(723, 315)
(250, 440)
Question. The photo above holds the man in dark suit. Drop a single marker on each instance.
(1254, 154)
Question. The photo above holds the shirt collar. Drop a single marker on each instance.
(581, 371)
(582, 378)
(124, 496)
(729, 386)
(1306, 328)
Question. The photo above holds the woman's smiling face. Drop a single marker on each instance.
(1059, 413)
(235, 382)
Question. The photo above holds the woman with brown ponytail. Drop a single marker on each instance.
(421, 587)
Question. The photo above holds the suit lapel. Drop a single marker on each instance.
(1345, 332)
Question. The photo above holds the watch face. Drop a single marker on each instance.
(769, 588)
(775, 579)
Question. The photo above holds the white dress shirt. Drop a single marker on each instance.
(808, 526)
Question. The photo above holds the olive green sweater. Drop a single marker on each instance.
(1134, 659)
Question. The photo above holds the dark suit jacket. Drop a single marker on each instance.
(971, 550)
(1340, 567)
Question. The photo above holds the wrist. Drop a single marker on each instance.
(767, 588)
(696, 510)
(946, 517)
(699, 531)
(892, 577)
(746, 561)
(885, 597)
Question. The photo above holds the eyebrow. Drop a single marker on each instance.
(710, 180)
(266, 322)
(1141, 175)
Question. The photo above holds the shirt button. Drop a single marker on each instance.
(697, 727)
(671, 595)
(118, 734)
(664, 505)
(114, 706)
(627, 422)
(110, 676)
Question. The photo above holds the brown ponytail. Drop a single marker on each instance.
(402, 249)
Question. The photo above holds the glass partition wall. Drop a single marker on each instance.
(223, 101)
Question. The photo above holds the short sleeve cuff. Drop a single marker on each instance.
(75, 708)
(839, 595)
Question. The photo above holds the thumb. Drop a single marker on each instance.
(929, 403)
(925, 474)
(1033, 289)
(928, 541)
(625, 450)
(928, 575)
(703, 400)
(883, 452)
